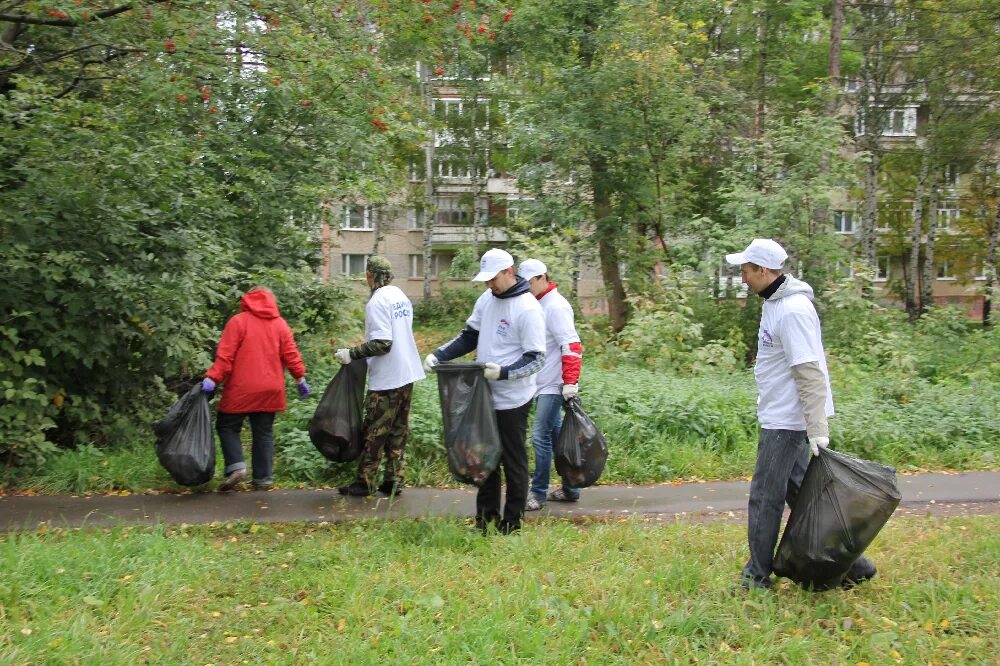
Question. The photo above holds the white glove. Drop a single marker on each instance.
(491, 371)
(343, 355)
(817, 443)
(570, 391)
(429, 362)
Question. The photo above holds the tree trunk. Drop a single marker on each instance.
(821, 213)
(607, 250)
(990, 269)
(869, 214)
(833, 61)
(429, 208)
(929, 273)
(762, 30)
(376, 227)
(916, 234)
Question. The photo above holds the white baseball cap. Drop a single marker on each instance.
(493, 262)
(763, 252)
(530, 268)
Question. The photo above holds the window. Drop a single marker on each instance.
(415, 218)
(353, 265)
(357, 217)
(947, 213)
(901, 122)
(881, 269)
(440, 263)
(949, 175)
(852, 85)
(945, 271)
(843, 221)
(843, 269)
(981, 274)
(450, 211)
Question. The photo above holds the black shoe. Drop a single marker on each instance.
(508, 527)
(391, 488)
(356, 489)
(748, 582)
(863, 569)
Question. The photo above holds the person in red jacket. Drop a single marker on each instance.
(255, 348)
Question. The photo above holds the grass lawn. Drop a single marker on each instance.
(433, 592)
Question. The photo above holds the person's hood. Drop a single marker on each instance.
(791, 286)
(520, 287)
(260, 304)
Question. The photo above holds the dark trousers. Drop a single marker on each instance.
(782, 458)
(513, 426)
(262, 454)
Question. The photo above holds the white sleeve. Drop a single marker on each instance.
(379, 317)
(560, 325)
(798, 332)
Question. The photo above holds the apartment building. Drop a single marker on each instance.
(473, 204)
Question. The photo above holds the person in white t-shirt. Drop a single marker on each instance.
(507, 331)
(794, 400)
(393, 367)
(557, 382)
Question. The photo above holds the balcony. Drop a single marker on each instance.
(464, 234)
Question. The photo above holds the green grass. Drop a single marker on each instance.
(432, 592)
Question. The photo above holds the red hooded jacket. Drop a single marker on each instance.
(255, 348)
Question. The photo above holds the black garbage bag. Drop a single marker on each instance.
(185, 444)
(842, 504)
(471, 436)
(335, 428)
(581, 451)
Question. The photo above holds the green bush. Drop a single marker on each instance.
(450, 309)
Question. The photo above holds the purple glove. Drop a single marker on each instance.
(304, 391)
(207, 385)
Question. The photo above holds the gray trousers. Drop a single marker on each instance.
(782, 458)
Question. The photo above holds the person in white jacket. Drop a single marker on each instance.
(507, 331)
(794, 400)
(557, 382)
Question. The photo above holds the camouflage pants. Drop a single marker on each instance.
(386, 428)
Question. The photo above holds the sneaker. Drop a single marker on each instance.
(233, 479)
(356, 489)
(533, 504)
(560, 495)
(391, 488)
(262, 485)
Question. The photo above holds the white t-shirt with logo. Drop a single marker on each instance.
(508, 327)
(789, 335)
(559, 330)
(389, 316)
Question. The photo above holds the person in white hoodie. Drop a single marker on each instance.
(794, 400)
(557, 382)
(507, 332)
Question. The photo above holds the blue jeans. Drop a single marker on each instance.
(262, 454)
(545, 431)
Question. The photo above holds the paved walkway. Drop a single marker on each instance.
(945, 494)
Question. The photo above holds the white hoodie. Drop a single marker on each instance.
(789, 335)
